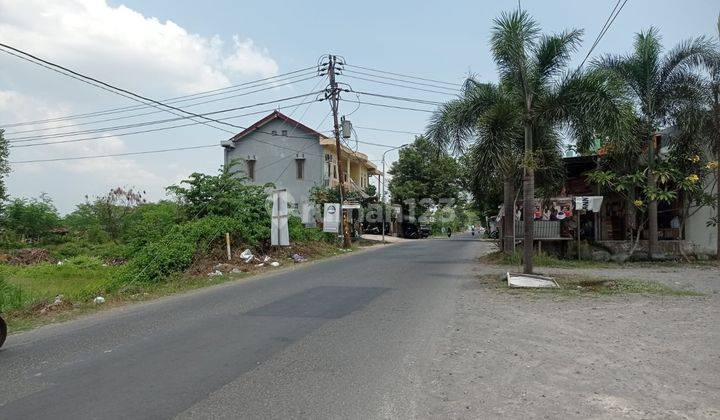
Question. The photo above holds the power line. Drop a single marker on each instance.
(398, 98)
(404, 75)
(398, 85)
(173, 127)
(403, 80)
(389, 106)
(155, 112)
(389, 131)
(147, 123)
(145, 152)
(608, 22)
(113, 89)
(241, 86)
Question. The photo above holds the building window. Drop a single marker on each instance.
(284, 133)
(300, 168)
(274, 132)
(334, 171)
(251, 169)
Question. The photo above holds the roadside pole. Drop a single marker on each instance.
(382, 196)
(334, 96)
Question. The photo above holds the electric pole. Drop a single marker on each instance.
(333, 95)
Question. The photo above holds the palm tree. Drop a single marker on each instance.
(487, 111)
(658, 86)
(712, 92)
(541, 97)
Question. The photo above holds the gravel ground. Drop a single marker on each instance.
(544, 356)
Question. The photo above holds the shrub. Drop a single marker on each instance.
(149, 222)
(32, 218)
(11, 296)
(174, 251)
(298, 232)
(225, 194)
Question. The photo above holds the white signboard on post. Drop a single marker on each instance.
(331, 217)
(279, 234)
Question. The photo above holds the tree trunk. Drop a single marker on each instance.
(717, 193)
(652, 220)
(508, 216)
(528, 202)
(653, 204)
(528, 218)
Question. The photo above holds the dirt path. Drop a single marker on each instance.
(544, 356)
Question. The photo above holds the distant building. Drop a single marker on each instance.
(291, 155)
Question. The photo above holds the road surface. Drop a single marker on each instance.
(409, 330)
(346, 337)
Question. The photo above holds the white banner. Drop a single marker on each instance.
(331, 218)
(279, 234)
(590, 203)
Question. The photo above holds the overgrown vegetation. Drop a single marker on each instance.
(119, 243)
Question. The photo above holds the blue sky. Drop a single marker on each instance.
(439, 40)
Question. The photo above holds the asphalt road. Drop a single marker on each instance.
(350, 337)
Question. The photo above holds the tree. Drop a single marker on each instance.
(540, 97)
(32, 218)
(712, 127)
(423, 177)
(225, 194)
(658, 86)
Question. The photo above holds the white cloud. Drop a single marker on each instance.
(247, 57)
(124, 47)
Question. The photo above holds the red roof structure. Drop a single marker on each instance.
(272, 116)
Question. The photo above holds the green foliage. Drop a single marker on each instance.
(106, 251)
(425, 173)
(149, 222)
(174, 251)
(298, 232)
(79, 278)
(32, 218)
(11, 296)
(225, 194)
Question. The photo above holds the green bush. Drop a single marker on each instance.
(298, 232)
(107, 251)
(174, 252)
(11, 296)
(33, 218)
(150, 222)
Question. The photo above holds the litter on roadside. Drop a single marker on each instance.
(236, 271)
(215, 273)
(99, 300)
(298, 258)
(247, 256)
(530, 280)
(275, 264)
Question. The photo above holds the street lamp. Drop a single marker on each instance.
(382, 197)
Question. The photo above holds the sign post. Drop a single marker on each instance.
(279, 234)
(331, 217)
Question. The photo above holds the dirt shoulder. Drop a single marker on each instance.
(515, 355)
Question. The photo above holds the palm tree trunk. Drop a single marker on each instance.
(509, 216)
(653, 204)
(717, 192)
(528, 203)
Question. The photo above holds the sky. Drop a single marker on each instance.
(168, 48)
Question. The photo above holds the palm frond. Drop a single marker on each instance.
(513, 35)
(553, 52)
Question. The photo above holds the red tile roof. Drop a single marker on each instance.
(272, 116)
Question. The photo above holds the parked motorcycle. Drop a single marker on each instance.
(3, 331)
